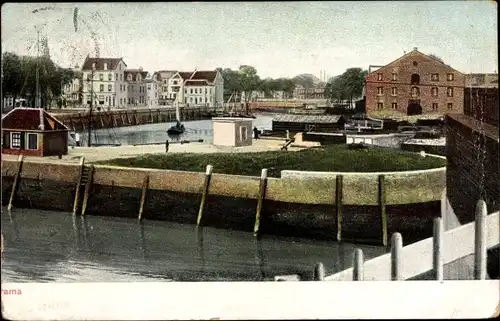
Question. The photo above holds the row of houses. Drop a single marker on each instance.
(108, 83)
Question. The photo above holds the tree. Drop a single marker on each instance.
(434, 56)
(12, 75)
(248, 80)
(347, 86)
(19, 78)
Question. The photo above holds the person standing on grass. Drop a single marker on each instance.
(166, 146)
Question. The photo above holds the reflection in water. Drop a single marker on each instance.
(39, 246)
(157, 133)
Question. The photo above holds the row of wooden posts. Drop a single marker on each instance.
(480, 251)
(87, 173)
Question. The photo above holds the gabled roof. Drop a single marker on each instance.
(197, 82)
(134, 72)
(412, 53)
(112, 63)
(185, 74)
(165, 74)
(25, 118)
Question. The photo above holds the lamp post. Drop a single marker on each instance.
(89, 142)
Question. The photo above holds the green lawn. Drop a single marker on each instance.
(330, 158)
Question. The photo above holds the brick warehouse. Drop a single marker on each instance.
(415, 84)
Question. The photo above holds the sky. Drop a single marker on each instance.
(280, 39)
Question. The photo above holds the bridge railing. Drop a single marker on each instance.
(431, 254)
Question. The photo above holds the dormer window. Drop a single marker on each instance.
(129, 77)
(105, 66)
(138, 78)
(380, 77)
(93, 66)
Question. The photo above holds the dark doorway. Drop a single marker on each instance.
(415, 79)
(414, 108)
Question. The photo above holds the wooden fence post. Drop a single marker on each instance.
(145, 186)
(260, 201)
(87, 189)
(480, 249)
(396, 251)
(383, 211)
(78, 185)
(20, 161)
(437, 241)
(206, 185)
(357, 271)
(319, 272)
(338, 205)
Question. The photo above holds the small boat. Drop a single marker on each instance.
(176, 129)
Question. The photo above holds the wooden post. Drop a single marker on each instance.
(20, 161)
(87, 189)
(319, 272)
(357, 271)
(145, 186)
(480, 249)
(78, 186)
(383, 212)
(396, 251)
(206, 185)
(437, 257)
(260, 202)
(338, 205)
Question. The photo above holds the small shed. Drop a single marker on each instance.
(308, 123)
(33, 132)
(232, 131)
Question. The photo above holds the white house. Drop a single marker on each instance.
(232, 131)
(152, 92)
(136, 87)
(107, 86)
(162, 78)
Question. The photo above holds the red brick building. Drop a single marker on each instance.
(415, 84)
(33, 132)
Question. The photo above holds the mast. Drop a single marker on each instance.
(89, 139)
(37, 76)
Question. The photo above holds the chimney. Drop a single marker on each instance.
(415, 48)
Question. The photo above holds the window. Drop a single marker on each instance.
(380, 77)
(450, 77)
(201, 99)
(6, 140)
(435, 77)
(190, 99)
(185, 91)
(380, 91)
(121, 77)
(380, 106)
(415, 91)
(101, 77)
(129, 77)
(415, 63)
(109, 87)
(450, 106)
(110, 77)
(449, 92)
(415, 79)
(116, 76)
(196, 90)
(243, 133)
(105, 66)
(15, 139)
(434, 106)
(101, 87)
(175, 82)
(394, 91)
(128, 100)
(191, 90)
(206, 90)
(394, 76)
(149, 87)
(210, 91)
(164, 81)
(434, 91)
(101, 100)
(89, 77)
(394, 105)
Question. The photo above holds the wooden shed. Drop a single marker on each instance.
(307, 123)
(232, 131)
(33, 132)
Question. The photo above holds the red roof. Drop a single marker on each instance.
(112, 63)
(23, 118)
(199, 75)
(196, 83)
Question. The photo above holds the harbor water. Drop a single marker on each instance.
(42, 246)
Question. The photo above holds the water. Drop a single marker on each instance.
(42, 246)
(156, 133)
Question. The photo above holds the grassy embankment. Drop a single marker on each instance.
(337, 158)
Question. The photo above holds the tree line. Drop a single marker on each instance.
(19, 78)
(345, 88)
